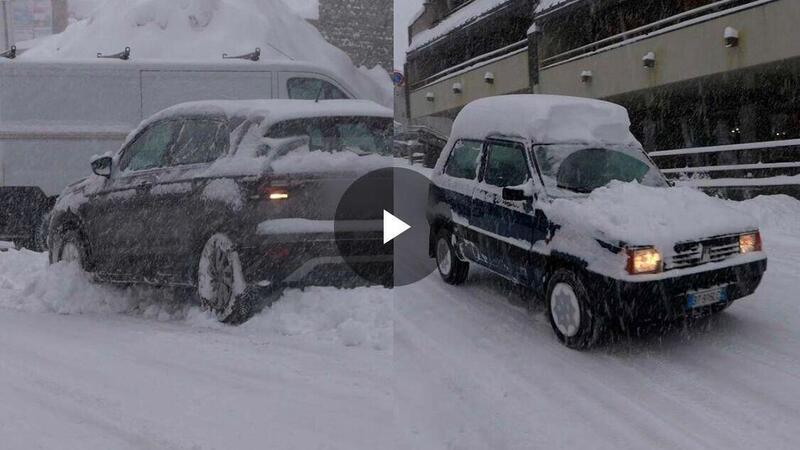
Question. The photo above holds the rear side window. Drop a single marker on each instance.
(149, 150)
(463, 161)
(200, 141)
(506, 165)
(313, 88)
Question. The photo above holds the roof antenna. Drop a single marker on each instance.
(252, 56)
(11, 53)
(279, 51)
(123, 55)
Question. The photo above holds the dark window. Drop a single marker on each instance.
(463, 161)
(148, 151)
(362, 135)
(313, 88)
(200, 141)
(506, 165)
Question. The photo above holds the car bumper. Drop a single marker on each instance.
(668, 298)
(316, 259)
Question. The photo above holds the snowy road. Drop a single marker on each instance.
(427, 366)
(475, 370)
(314, 373)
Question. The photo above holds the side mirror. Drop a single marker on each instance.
(515, 194)
(101, 166)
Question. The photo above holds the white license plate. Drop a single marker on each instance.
(705, 298)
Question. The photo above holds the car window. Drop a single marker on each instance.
(148, 151)
(570, 168)
(200, 141)
(463, 161)
(361, 135)
(313, 88)
(506, 165)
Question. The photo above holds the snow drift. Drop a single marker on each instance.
(202, 30)
(353, 318)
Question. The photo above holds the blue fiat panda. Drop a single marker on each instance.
(556, 194)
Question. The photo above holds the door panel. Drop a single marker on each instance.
(505, 227)
(119, 220)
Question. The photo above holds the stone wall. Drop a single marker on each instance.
(362, 28)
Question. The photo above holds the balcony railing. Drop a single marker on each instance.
(685, 19)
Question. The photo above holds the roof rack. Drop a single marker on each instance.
(123, 55)
(253, 56)
(10, 53)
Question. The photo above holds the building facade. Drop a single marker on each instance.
(462, 50)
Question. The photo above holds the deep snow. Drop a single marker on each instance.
(424, 366)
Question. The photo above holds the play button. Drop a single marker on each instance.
(398, 254)
(392, 227)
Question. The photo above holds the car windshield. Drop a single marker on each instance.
(570, 169)
(360, 135)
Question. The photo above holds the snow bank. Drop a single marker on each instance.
(778, 214)
(353, 318)
(202, 30)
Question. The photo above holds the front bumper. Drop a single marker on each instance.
(667, 299)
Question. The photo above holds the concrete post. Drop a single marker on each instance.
(6, 25)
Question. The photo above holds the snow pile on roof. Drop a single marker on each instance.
(202, 30)
(458, 19)
(640, 215)
(545, 119)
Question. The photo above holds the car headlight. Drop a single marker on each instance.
(750, 242)
(644, 260)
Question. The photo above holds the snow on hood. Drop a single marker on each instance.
(640, 215)
(202, 30)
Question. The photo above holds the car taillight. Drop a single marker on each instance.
(750, 242)
(274, 193)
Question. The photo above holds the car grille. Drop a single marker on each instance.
(691, 254)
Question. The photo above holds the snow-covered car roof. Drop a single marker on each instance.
(545, 119)
(270, 112)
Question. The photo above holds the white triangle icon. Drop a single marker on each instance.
(392, 227)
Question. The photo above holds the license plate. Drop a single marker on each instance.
(707, 297)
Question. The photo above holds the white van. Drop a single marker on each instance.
(54, 116)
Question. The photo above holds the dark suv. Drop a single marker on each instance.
(556, 194)
(227, 197)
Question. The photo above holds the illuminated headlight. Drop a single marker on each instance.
(644, 260)
(750, 242)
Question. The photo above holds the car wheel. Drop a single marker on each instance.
(71, 249)
(574, 322)
(451, 268)
(220, 282)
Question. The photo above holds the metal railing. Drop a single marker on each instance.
(684, 19)
(736, 170)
